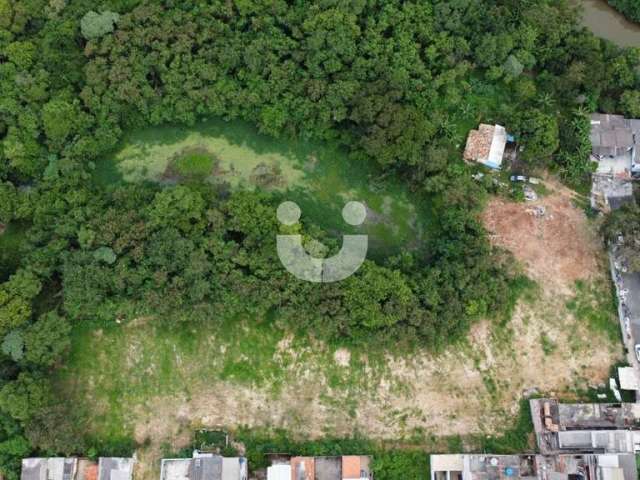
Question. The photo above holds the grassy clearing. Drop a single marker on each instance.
(114, 370)
(321, 178)
(594, 304)
(230, 373)
(193, 164)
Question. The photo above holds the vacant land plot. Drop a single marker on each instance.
(321, 178)
(158, 384)
(551, 238)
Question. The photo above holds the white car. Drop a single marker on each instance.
(637, 349)
(624, 292)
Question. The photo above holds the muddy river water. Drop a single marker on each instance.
(606, 22)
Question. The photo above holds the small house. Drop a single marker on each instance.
(614, 145)
(486, 145)
(52, 468)
(204, 466)
(115, 468)
(348, 467)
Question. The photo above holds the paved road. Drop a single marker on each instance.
(631, 304)
(628, 306)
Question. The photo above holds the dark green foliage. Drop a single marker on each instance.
(630, 8)
(401, 465)
(46, 339)
(95, 25)
(575, 155)
(624, 224)
(397, 83)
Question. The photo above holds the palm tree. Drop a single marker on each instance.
(545, 100)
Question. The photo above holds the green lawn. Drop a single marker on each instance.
(195, 164)
(117, 369)
(595, 304)
(321, 178)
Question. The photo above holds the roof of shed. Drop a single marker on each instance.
(479, 142)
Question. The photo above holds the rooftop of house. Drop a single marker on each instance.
(53, 468)
(348, 467)
(204, 466)
(303, 468)
(585, 427)
(612, 135)
(486, 145)
(585, 416)
(328, 468)
(543, 467)
(115, 468)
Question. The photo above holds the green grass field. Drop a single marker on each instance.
(116, 370)
(321, 178)
(193, 164)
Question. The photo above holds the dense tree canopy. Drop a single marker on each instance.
(630, 8)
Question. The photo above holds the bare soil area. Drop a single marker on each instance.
(557, 247)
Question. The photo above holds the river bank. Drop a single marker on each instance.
(606, 22)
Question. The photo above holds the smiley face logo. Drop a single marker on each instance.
(322, 270)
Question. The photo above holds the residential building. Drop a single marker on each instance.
(486, 145)
(58, 468)
(53, 468)
(586, 427)
(614, 148)
(530, 467)
(115, 468)
(204, 466)
(614, 143)
(348, 467)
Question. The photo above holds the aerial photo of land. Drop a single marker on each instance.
(319, 240)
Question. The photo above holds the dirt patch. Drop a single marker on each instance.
(267, 176)
(557, 247)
